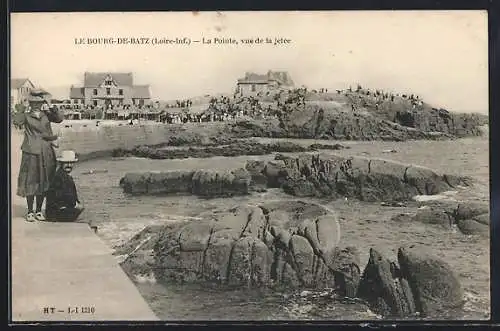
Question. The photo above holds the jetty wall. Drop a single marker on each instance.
(90, 141)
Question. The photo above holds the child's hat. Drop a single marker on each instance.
(67, 156)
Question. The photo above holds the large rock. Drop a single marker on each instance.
(418, 283)
(366, 179)
(290, 243)
(347, 271)
(473, 227)
(256, 170)
(276, 174)
(204, 183)
(436, 216)
(384, 289)
(396, 120)
(157, 182)
(471, 218)
(469, 210)
(216, 183)
(435, 286)
(425, 180)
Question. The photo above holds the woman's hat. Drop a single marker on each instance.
(67, 156)
(38, 95)
(39, 92)
(36, 98)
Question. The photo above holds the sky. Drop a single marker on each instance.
(442, 56)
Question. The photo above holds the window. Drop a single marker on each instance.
(95, 102)
(108, 91)
(120, 91)
(253, 87)
(95, 91)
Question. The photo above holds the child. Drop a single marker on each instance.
(63, 204)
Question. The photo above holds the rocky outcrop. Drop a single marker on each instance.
(384, 289)
(203, 183)
(294, 245)
(471, 218)
(417, 284)
(434, 285)
(339, 121)
(289, 244)
(234, 148)
(358, 116)
(366, 179)
(306, 175)
(440, 120)
(179, 148)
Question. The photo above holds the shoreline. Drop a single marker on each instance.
(358, 147)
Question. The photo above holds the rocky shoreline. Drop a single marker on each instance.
(297, 245)
(293, 245)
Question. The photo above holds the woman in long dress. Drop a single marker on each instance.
(38, 162)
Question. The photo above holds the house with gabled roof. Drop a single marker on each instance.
(254, 83)
(19, 90)
(110, 88)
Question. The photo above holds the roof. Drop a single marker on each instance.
(282, 77)
(16, 83)
(94, 79)
(141, 92)
(76, 93)
(253, 78)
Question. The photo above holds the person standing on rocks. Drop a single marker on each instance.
(38, 161)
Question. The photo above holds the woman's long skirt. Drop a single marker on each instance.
(36, 172)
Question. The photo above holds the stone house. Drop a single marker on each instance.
(106, 88)
(253, 84)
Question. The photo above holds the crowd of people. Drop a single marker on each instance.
(379, 96)
(263, 105)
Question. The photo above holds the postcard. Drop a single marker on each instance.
(249, 166)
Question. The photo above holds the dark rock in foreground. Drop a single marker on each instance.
(295, 245)
(384, 289)
(418, 283)
(291, 244)
(434, 285)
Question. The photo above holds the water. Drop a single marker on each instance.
(363, 225)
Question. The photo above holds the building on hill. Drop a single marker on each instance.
(19, 90)
(253, 83)
(110, 89)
